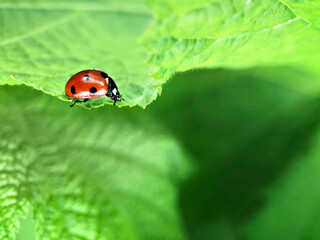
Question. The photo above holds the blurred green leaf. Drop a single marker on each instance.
(244, 130)
(233, 34)
(42, 44)
(87, 175)
(292, 210)
(27, 229)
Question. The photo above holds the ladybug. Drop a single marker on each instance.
(92, 84)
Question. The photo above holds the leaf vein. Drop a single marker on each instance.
(38, 30)
(128, 8)
(292, 10)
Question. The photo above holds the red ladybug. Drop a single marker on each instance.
(92, 84)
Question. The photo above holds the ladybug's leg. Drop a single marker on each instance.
(117, 99)
(77, 101)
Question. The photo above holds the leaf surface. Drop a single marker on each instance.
(87, 175)
(233, 34)
(42, 44)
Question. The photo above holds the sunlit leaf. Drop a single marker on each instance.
(233, 34)
(42, 44)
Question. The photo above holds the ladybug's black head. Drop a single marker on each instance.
(113, 91)
(115, 96)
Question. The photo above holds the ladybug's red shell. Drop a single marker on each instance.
(87, 84)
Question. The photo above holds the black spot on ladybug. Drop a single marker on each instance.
(86, 77)
(93, 90)
(73, 90)
(104, 75)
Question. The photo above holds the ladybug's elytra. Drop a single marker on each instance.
(92, 84)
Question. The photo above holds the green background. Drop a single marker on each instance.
(228, 148)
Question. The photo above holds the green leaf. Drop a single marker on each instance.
(233, 34)
(243, 130)
(15, 156)
(44, 43)
(292, 211)
(87, 175)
